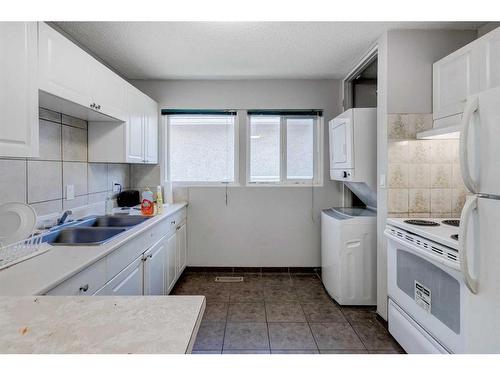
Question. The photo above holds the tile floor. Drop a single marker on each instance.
(281, 313)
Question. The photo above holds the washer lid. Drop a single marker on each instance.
(343, 213)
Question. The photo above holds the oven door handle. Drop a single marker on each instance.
(469, 207)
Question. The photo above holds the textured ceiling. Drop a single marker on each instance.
(235, 50)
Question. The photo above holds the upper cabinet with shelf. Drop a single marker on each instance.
(18, 89)
(69, 73)
(123, 121)
(133, 141)
(467, 71)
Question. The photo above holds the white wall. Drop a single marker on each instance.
(404, 86)
(260, 226)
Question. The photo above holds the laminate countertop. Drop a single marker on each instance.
(107, 325)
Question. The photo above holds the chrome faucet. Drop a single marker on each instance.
(64, 216)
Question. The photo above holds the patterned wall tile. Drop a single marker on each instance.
(419, 175)
(420, 151)
(398, 175)
(424, 178)
(397, 200)
(419, 201)
(441, 176)
(441, 201)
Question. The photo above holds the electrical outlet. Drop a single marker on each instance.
(116, 187)
(70, 192)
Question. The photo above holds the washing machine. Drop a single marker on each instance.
(349, 255)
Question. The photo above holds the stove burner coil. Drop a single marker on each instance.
(452, 222)
(424, 223)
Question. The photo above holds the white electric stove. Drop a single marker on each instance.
(425, 286)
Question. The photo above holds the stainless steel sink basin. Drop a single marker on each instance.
(77, 236)
(113, 221)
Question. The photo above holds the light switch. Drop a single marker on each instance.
(70, 192)
(382, 180)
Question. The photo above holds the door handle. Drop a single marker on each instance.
(470, 205)
(471, 107)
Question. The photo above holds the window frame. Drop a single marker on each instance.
(318, 132)
(168, 157)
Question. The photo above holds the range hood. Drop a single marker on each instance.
(443, 132)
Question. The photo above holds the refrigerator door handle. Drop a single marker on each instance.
(471, 106)
(469, 207)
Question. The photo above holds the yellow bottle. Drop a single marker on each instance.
(159, 200)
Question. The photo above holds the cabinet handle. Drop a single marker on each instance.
(84, 288)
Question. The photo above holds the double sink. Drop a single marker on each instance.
(92, 231)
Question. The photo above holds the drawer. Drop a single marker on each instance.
(84, 283)
(176, 219)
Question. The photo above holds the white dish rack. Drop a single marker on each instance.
(22, 250)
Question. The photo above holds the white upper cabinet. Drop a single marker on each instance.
(68, 72)
(467, 71)
(18, 89)
(107, 91)
(135, 127)
(64, 68)
(490, 60)
(151, 131)
(455, 77)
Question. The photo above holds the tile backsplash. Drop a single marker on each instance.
(423, 176)
(41, 182)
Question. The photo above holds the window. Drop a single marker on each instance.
(202, 148)
(284, 148)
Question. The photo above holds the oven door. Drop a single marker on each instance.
(430, 292)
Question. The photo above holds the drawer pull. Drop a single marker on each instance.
(84, 288)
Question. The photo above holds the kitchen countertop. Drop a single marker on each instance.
(108, 325)
(38, 275)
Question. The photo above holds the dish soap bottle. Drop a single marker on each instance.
(109, 205)
(159, 200)
(147, 204)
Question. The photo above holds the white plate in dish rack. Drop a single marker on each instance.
(17, 222)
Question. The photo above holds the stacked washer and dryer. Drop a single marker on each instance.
(349, 234)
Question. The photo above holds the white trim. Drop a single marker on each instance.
(362, 63)
(318, 161)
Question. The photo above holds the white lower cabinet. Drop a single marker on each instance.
(129, 282)
(181, 243)
(155, 269)
(157, 265)
(171, 262)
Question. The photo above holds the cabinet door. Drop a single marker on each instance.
(171, 262)
(155, 269)
(128, 282)
(151, 131)
(490, 60)
(18, 89)
(455, 77)
(341, 143)
(108, 91)
(64, 68)
(135, 127)
(181, 235)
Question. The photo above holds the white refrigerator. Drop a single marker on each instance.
(479, 236)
